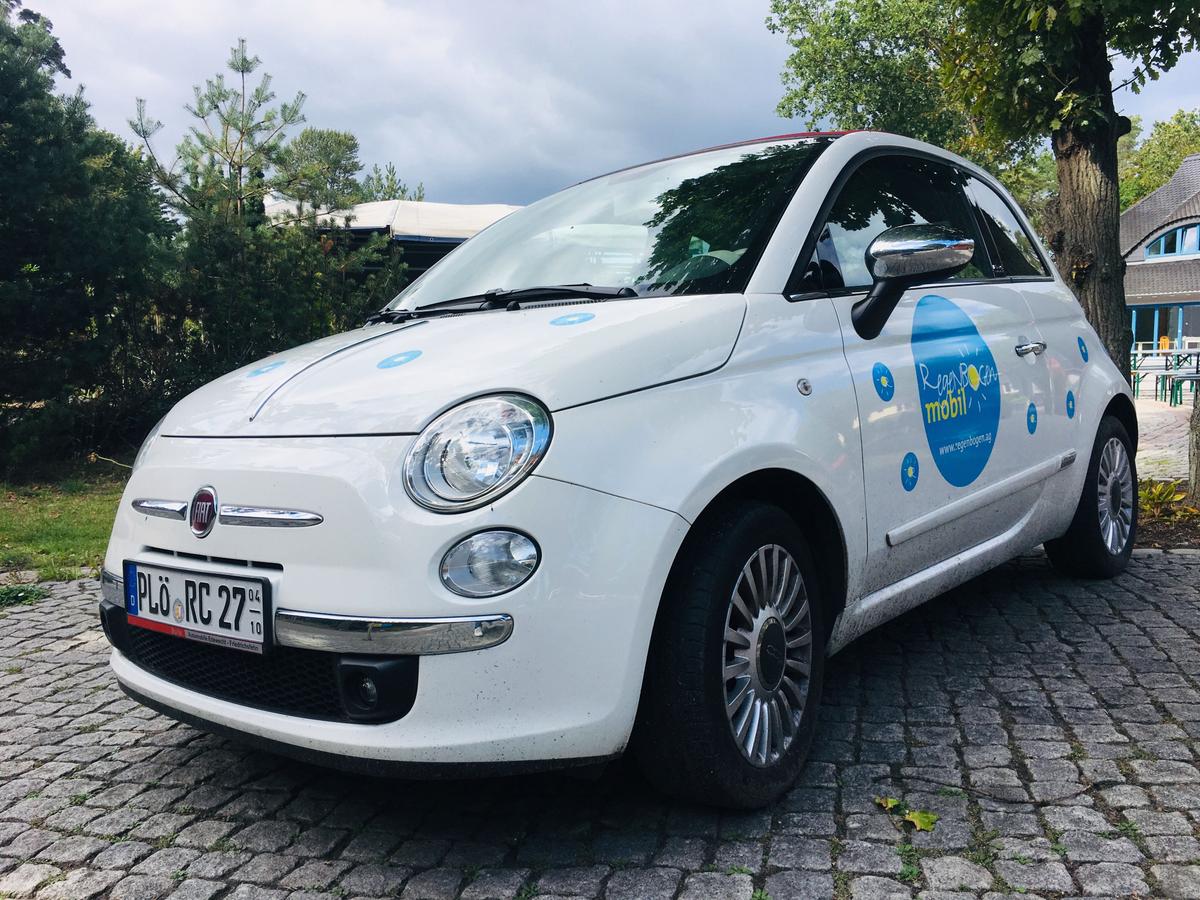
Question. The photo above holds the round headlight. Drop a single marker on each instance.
(474, 453)
(489, 563)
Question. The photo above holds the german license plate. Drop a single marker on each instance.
(225, 610)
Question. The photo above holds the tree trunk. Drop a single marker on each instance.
(1086, 220)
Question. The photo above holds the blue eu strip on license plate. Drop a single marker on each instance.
(131, 603)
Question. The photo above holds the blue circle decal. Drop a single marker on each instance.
(1031, 418)
(269, 367)
(1070, 404)
(910, 471)
(885, 384)
(959, 389)
(397, 359)
(573, 319)
(1083, 349)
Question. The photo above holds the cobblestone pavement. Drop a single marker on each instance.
(1052, 725)
(1162, 439)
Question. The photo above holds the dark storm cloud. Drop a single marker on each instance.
(483, 101)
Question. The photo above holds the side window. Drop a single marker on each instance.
(1013, 244)
(881, 194)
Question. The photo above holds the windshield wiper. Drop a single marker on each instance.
(500, 298)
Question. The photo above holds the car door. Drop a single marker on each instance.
(944, 400)
(1061, 324)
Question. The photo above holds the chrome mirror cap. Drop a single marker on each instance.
(912, 251)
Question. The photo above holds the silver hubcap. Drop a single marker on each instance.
(768, 654)
(1115, 496)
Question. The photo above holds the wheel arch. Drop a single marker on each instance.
(812, 512)
(1121, 408)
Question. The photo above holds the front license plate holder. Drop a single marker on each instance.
(191, 596)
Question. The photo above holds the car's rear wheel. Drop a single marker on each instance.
(1100, 540)
(734, 676)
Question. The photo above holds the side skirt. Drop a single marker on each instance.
(887, 603)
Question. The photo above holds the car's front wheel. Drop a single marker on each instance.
(734, 676)
(1100, 540)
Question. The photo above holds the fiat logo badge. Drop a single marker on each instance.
(202, 514)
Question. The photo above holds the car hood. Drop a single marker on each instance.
(394, 378)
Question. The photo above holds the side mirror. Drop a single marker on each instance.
(903, 257)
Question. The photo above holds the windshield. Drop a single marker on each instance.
(696, 224)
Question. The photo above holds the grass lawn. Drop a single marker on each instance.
(55, 527)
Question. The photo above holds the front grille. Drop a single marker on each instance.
(285, 680)
(221, 560)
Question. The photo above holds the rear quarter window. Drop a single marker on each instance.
(1014, 246)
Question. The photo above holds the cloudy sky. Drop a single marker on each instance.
(482, 101)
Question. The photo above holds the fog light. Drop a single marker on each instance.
(489, 563)
(368, 694)
(377, 688)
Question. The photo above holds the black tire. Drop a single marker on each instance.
(1083, 551)
(684, 740)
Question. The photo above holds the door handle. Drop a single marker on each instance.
(1035, 347)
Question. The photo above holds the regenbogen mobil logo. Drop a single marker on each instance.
(959, 388)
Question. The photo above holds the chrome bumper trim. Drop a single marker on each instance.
(164, 509)
(401, 637)
(112, 588)
(266, 517)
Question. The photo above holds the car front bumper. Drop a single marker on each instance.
(371, 635)
(550, 671)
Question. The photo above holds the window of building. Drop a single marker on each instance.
(1176, 242)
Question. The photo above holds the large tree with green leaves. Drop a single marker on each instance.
(111, 309)
(82, 234)
(991, 79)
(252, 286)
(233, 148)
(880, 64)
(1043, 68)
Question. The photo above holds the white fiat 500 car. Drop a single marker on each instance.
(623, 470)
